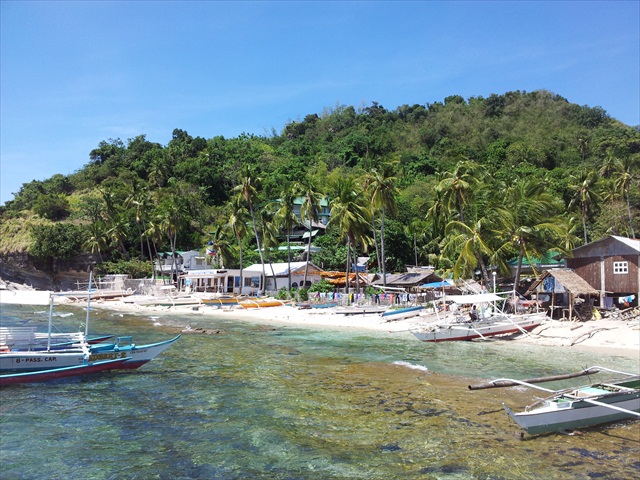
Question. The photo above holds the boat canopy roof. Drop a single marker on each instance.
(475, 298)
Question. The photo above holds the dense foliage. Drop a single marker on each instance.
(464, 185)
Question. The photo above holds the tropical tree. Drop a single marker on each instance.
(380, 184)
(586, 195)
(285, 218)
(219, 243)
(457, 186)
(624, 176)
(470, 244)
(309, 210)
(529, 218)
(247, 192)
(238, 221)
(351, 216)
(95, 241)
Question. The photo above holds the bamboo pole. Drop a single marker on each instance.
(508, 383)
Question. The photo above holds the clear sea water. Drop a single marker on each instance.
(273, 402)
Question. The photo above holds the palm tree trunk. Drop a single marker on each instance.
(384, 262)
(633, 235)
(255, 232)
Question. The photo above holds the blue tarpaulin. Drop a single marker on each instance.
(443, 283)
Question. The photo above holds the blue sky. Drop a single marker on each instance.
(75, 73)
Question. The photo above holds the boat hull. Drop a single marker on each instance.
(137, 355)
(580, 415)
(40, 360)
(576, 410)
(261, 303)
(393, 315)
(460, 332)
(56, 373)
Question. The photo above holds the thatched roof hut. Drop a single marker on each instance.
(560, 283)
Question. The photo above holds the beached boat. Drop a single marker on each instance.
(361, 310)
(401, 313)
(573, 408)
(222, 301)
(485, 320)
(324, 305)
(261, 303)
(64, 372)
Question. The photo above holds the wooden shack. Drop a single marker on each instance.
(565, 293)
(611, 266)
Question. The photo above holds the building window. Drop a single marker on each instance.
(620, 267)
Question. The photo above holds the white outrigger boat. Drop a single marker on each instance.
(486, 321)
(574, 408)
(20, 353)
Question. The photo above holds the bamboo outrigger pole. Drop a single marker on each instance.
(510, 383)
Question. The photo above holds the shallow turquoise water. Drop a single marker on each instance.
(289, 403)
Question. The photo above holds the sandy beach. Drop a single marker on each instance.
(606, 335)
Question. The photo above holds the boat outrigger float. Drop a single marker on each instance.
(574, 408)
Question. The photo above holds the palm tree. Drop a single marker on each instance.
(351, 216)
(530, 220)
(585, 186)
(623, 178)
(117, 232)
(381, 187)
(219, 242)
(470, 244)
(457, 186)
(170, 216)
(238, 221)
(139, 199)
(285, 217)
(309, 212)
(96, 242)
(247, 191)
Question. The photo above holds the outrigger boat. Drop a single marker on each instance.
(574, 408)
(80, 353)
(486, 321)
(401, 313)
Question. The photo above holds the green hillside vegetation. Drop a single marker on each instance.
(461, 184)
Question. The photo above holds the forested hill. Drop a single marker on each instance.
(444, 162)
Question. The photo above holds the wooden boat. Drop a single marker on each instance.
(55, 373)
(221, 301)
(79, 353)
(401, 313)
(323, 305)
(261, 303)
(485, 322)
(357, 310)
(573, 408)
(124, 346)
(27, 361)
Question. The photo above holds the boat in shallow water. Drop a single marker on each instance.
(81, 354)
(63, 372)
(485, 320)
(573, 408)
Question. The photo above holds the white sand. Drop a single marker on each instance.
(611, 336)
